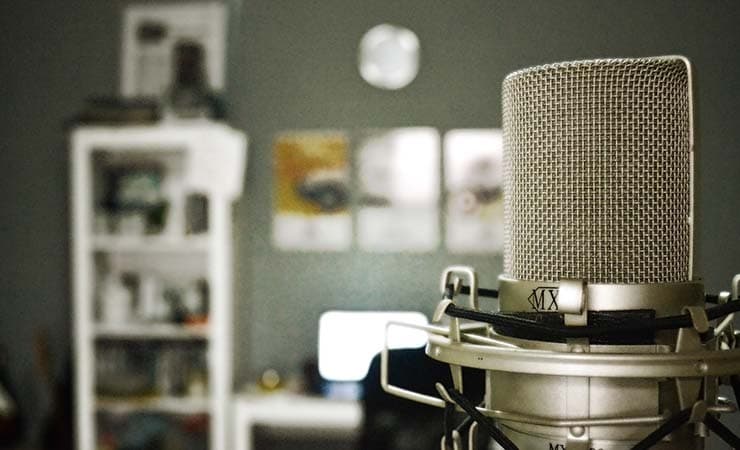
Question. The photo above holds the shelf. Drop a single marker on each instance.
(194, 159)
(172, 405)
(151, 244)
(144, 331)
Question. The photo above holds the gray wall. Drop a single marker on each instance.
(297, 70)
(53, 55)
(293, 66)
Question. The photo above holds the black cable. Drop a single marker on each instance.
(482, 292)
(464, 426)
(449, 417)
(484, 422)
(722, 431)
(564, 332)
(664, 430)
(555, 331)
(716, 312)
(735, 383)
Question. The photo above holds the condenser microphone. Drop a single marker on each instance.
(598, 214)
(598, 163)
(603, 339)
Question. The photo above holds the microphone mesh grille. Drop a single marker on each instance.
(597, 171)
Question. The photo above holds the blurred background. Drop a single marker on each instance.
(292, 65)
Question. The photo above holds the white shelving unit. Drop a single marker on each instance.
(198, 158)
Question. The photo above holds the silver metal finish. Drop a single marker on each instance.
(530, 419)
(526, 441)
(726, 328)
(601, 400)
(577, 405)
(456, 441)
(644, 359)
(599, 211)
(572, 302)
(671, 365)
(472, 278)
(666, 299)
(445, 331)
(609, 411)
(571, 297)
(447, 279)
(472, 436)
(698, 318)
(598, 182)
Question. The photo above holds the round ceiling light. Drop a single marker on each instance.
(389, 56)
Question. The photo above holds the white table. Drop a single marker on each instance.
(291, 411)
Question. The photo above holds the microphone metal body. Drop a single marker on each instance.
(598, 197)
(599, 209)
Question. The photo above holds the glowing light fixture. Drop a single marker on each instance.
(389, 56)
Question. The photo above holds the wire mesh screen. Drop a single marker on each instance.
(598, 172)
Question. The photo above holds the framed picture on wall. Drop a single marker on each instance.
(398, 172)
(152, 32)
(473, 164)
(311, 191)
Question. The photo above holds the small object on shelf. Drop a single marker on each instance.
(121, 372)
(117, 111)
(149, 298)
(197, 377)
(134, 196)
(195, 302)
(173, 298)
(132, 223)
(270, 380)
(137, 187)
(189, 96)
(173, 191)
(150, 35)
(196, 212)
(116, 302)
(168, 373)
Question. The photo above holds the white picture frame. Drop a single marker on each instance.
(398, 177)
(473, 181)
(146, 66)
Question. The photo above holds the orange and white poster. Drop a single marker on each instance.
(311, 191)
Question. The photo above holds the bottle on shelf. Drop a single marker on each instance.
(189, 96)
(116, 300)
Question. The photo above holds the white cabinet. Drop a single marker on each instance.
(152, 282)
